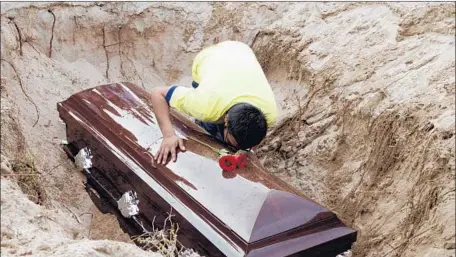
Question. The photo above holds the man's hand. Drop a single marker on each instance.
(169, 145)
(170, 140)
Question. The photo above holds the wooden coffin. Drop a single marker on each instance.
(247, 212)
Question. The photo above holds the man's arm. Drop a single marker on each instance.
(170, 140)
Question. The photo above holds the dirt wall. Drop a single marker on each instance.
(365, 90)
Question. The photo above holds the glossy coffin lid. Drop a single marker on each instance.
(250, 202)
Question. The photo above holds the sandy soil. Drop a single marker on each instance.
(30, 230)
(366, 95)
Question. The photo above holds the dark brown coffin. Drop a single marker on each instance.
(245, 213)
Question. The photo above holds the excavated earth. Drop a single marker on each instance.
(367, 111)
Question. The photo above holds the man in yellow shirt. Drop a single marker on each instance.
(231, 99)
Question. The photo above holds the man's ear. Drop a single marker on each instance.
(226, 120)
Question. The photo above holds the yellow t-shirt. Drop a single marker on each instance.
(228, 73)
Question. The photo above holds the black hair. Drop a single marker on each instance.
(247, 124)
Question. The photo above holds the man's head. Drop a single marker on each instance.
(245, 126)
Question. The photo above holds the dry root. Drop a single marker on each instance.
(29, 179)
(164, 240)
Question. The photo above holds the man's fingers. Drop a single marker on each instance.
(159, 155)
(181, 144)
(169, 148)
(173, 154)
(165, 156)
(156, 154)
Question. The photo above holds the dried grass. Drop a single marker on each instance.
(29, 179)
(164, 240)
